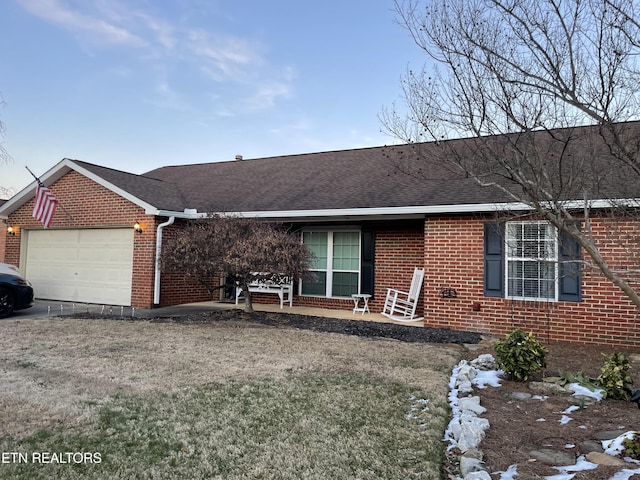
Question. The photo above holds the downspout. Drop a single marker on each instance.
(156, 285)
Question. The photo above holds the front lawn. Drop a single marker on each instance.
(233, 400)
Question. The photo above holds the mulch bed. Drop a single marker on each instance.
(404, 333)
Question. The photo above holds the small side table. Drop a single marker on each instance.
(356, 302)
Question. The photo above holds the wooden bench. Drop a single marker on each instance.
(283, 288)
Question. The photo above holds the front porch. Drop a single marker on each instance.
(324, 312)
(52, 308)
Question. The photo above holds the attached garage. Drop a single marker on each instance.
(81, 265)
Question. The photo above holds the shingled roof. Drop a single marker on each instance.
(399, 179)
(577, 160)
(162, 195)
(347, 179)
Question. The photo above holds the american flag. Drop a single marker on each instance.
(45, 205)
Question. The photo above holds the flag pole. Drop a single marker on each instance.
(43, 185)
(34, 176)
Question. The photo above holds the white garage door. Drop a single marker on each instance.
(92, 265)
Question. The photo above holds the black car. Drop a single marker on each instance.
(16, 293)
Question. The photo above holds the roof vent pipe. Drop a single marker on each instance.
(238, 157)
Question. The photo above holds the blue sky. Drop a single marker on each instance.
(139, 84)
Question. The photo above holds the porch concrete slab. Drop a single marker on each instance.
(330, 313)
(51, 308)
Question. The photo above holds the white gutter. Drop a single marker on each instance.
(188, 213)
(156, 285)
(429, 209)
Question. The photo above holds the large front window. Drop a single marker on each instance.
(336, 266)
(532, 256)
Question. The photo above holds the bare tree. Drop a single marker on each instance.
(5, 158)
(4, 155)
(243, 249)
(545, 94)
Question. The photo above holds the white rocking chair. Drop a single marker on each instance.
(401, 306)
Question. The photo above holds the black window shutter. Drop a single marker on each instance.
(570, 278)
(494, 259)
(367, 256)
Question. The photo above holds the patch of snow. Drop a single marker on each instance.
(566, 472)
(418, 406)
(572, 408)
(625, 474)
(569, 445)
(511, 472)
(579, 390)
(565, 419)
(614, 447)
(541, 420)
(487, 377)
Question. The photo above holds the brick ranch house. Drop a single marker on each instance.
(373, 223)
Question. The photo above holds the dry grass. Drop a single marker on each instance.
(222, 400)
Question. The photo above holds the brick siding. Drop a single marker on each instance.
(3, 241)
(454, 258)
(86, 204)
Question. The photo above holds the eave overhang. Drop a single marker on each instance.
(65, 166)
(419, 211)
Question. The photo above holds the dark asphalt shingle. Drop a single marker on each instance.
(390, 176)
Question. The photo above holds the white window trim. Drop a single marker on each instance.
(329, 269)
(554, 260)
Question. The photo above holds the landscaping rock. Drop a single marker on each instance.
(609, 435)
(474, 453)
(478, 476)
(465, 387)
(548, 387)
(604, 459)
(520, 396)
(484, 362)
(467, 372)
(553, 457)
(589, 446)
(471, 431)
(472, 404)
(469, 465)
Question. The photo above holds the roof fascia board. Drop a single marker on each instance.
(410, 211)
(187, 214)
(23, 196)
(60, 170)
(148, 208)
(421, 210)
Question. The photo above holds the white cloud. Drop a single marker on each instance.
(267, 94)
(84, 25)
(224, 57)
(251, 80)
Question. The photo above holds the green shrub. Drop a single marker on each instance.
(632, 447)
(615, 378)
(520, 355)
